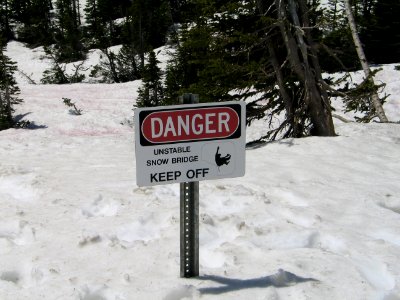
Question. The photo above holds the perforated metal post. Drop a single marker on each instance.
(190, 229)
(189, 217)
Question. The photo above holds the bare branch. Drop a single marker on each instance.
(341, 118)
(31, 81)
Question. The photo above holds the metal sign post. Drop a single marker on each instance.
(189, 217)
(189, 221)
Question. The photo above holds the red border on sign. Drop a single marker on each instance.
(216, 124)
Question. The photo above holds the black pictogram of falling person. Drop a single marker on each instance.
(221, 160)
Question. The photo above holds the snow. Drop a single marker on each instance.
(313, 218)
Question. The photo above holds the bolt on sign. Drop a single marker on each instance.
(184, 143)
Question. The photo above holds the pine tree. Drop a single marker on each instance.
(147, 25)
(68, 32)
(57, 73)
(8, 90)
(128, 64)
(152, 91)
(101, 29)
(376, 104)
(334, 15)
(183, 11)
(95, 29)
(35, 18)
(252, 51)
(118, 67)
(5, 20)
(337, 51)
(382, 34)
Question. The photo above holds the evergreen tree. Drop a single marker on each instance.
(35, 18)
(376, 103)
(152, 91)
(8, 90)
(337, 51)
(246, 50)
(118, 67)
(57, 73)
(128, 64)
(101, 29)
(147, 25)
(68, 32)
(5, 20)
(183, 11)
(382, 34)
(20, 9)
(95, 28)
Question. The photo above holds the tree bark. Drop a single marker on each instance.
(282, 89)
(364, 63)
(297, 46)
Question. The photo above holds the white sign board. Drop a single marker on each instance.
(194, 142)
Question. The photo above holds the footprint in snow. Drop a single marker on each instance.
(143, 229)
(10, 276)
(101, 207)
(19, 187)
(87, 293)
(222, 200)
(375, 272)
(98, 292)
(17, 233)
(391, 203)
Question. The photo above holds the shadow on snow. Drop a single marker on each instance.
(18, 119)
(280, 279)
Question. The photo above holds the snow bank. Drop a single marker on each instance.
(314, 218)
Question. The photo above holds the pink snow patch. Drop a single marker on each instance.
(91, 132)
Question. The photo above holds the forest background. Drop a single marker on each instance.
(270, 53)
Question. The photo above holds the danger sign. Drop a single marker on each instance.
(190, 125)
(190, 142)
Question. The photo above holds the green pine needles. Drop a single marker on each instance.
(152, 91)
(9, 90)
(74, 110)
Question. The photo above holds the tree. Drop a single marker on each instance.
(381, 34)
(128, 64)
(118, 67)
(8, 90)
(377, 105)
(68, 32)
(304, 62)
(152, 91)
(261, 52)
(95, 29)
(35, 19)
(337, 52)
(147, 25)
(102, 29)
(5, 23)
(57, 73)
(183, 11)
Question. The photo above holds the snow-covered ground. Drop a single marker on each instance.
(313, 218)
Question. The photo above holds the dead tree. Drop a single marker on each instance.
(295, 30)
(376, 102)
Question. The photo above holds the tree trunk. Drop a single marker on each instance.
(8, 103)
(79, 13)
(113, 68)
(141, 42)
(364, 63)
(282, 89)
(297, 46)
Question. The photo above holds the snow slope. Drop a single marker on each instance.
(313, 218)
